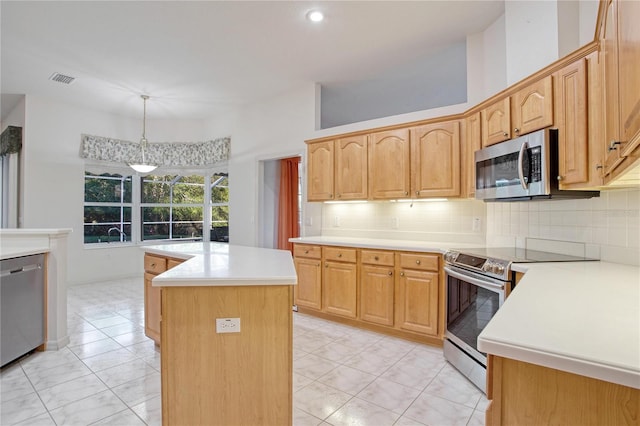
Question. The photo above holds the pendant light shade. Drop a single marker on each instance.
(143, 166)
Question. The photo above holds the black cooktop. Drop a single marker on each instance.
(520, 255)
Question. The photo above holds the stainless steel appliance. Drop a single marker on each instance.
(524, 168)
(477, 281)
(22, 306)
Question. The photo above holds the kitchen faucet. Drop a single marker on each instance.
(119, 231)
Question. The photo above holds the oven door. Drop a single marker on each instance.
(472, 300)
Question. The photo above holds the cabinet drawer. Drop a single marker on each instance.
(172, 263)
(339, 254)
(426, 262)
(377, 257)
(305, 250)
(154, 264)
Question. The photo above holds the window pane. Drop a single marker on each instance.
(157, 231)
(220, 189)
(109, 215)
(189, 190)
(106, 188)
(187, 230)
(156, 189)
(219, 216)
(155, 214)
(97, 233)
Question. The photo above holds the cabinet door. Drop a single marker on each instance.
(496, 122)
(351, 168)
(417, 301)
(339, 284)
(473, 142)
(532, 107)
(609, 46)
(376, 294)
(571, 121)
(320, 171)
(629, 74)
(435, 160)
(151, 309)
(389, 168)
(308, 291)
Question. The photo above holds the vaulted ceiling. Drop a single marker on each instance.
(197, 59)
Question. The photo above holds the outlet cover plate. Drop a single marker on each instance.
(227, 325)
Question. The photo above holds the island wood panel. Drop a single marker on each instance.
(528, 394)
(351, 168)
(152, 314)
(232, 378)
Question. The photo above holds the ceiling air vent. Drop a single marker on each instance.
(61, 78)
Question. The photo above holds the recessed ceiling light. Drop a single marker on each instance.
(315, 16)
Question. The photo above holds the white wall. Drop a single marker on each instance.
(269, 193)
(53, 184)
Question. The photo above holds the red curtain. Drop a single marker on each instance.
(288, 203)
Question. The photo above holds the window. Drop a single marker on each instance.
(107, 208)
(119, 208)
(172, 207)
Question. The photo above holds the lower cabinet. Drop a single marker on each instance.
(154, 265)
(394, 292)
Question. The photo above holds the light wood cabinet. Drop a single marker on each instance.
(377, 287)
(620, 47)
(435, 160)
(532, 107)
(472, 143)
(307, 260)
(320, 167)
(578, 124)
(154, 265)
(522, 393)
(527, 110)
(339, 281)
(351, 168)
(389, 164)
(417, 293)
(496, 122)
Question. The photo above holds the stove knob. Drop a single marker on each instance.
(499, 269)
(487, 266)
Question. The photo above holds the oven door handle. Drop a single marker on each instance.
(475, 281)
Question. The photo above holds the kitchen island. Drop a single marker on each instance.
(226, 334)
(565, 346)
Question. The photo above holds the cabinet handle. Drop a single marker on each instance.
(613, 145)
(402, 274)
(417, 192)
(390, 273)
(153, 265)
(516, 130)
(559, 178)
(406, 192)
(326, 265)
(306, 252)
(330, 195)
(418, 262)
(339, 254)
(339, 195)
(505, 134)
(375, 258)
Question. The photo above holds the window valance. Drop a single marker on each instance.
(171, 154)
(11, 140)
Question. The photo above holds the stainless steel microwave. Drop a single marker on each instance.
(522, 169)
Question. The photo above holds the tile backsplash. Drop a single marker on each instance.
(445, 221)
(608, 226)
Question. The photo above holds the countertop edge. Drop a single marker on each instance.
(10, 254)
(384, 244)
(159, 281)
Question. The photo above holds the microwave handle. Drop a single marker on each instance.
(523, 180)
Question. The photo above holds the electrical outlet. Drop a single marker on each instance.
(308, 221)
(227, 325)
(394, 223)
(336, 221)
(476, 224)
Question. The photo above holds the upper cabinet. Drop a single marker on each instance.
(620, 46)
(435, 160)
(320, 161)
(472, 143)
(389, 164)
(351, 168)
(527, 110)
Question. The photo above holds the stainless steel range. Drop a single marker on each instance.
(477, 282)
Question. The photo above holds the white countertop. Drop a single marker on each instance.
(219, 264)
(17, 242)
(580, 317)
(379, 243)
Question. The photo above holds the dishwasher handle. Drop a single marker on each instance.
(20, 270)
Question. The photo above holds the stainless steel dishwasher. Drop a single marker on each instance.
(22, 306)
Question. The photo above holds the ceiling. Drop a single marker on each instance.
(198, 59)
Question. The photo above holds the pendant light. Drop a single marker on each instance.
(143, 167)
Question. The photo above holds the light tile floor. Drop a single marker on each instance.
(110, 373)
